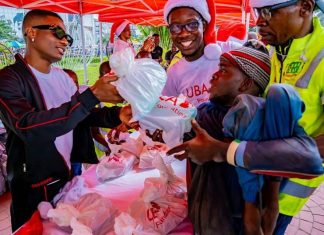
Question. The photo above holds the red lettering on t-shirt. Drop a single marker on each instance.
(204, 89)
(196, 90)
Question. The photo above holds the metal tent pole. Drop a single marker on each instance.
(100, 42)
(85, 76)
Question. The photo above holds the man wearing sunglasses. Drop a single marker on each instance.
(46, 118)
(297, 40)
(192, 28)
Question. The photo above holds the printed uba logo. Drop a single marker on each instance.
(157, 214)
(175, 101)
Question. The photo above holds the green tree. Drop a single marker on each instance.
(6, 32)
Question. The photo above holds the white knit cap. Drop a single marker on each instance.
(264, 3)
(121, 27)
(199, 6)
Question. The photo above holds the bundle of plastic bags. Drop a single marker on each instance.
(132, 144)
(140, 81)
(161, 206)
(150, 151)
(127, 225)
(173, 115)
(92, 214)
(115, 165)
(175, 185)
(72, 191)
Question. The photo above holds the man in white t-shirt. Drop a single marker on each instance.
(191, 24)
(47, 119)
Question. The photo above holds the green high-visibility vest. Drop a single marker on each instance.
(303, 68)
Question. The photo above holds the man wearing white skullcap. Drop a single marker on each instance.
(121, 29)
(297, 39)
(192, 28)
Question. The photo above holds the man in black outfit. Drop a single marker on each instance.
(158, 51)
(47, 120)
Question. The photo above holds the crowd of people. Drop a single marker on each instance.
(254, 155)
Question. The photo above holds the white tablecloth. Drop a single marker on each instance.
(123, 191)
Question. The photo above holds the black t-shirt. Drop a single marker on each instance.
(157, 52)
(168, 55)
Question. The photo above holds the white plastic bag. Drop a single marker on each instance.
(79, 228)
(149, 153)
(161, 214)
(97, 213)
(115, 165)
(126, 225)
(92, 214)
(175, 186)
(160, 206)
(72, 191)
(62, 214)
(132, 145)
(140, 81)
(173, 115)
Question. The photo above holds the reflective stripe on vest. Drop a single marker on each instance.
(297, 190)
(305, 79)
(289, 202)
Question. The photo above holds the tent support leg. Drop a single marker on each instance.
(100, 42)
(83, 52)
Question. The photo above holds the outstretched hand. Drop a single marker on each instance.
(113, 134)
(105, 91)
(148, 45)
(202, 148)
(126, 115)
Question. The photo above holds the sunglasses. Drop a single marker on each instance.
(58, 32)
(190, 27)
(265, 12)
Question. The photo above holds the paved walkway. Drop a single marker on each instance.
(309, 221)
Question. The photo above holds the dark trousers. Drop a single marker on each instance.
(76, 168)
(25, 199)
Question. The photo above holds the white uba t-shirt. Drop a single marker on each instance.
(192, 78)
(57, 88)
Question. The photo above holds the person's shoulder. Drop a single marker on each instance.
(11, 70)
(178, 66)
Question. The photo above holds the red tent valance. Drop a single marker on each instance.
(146, 12)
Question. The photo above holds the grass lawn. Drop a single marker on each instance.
(92, 72)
